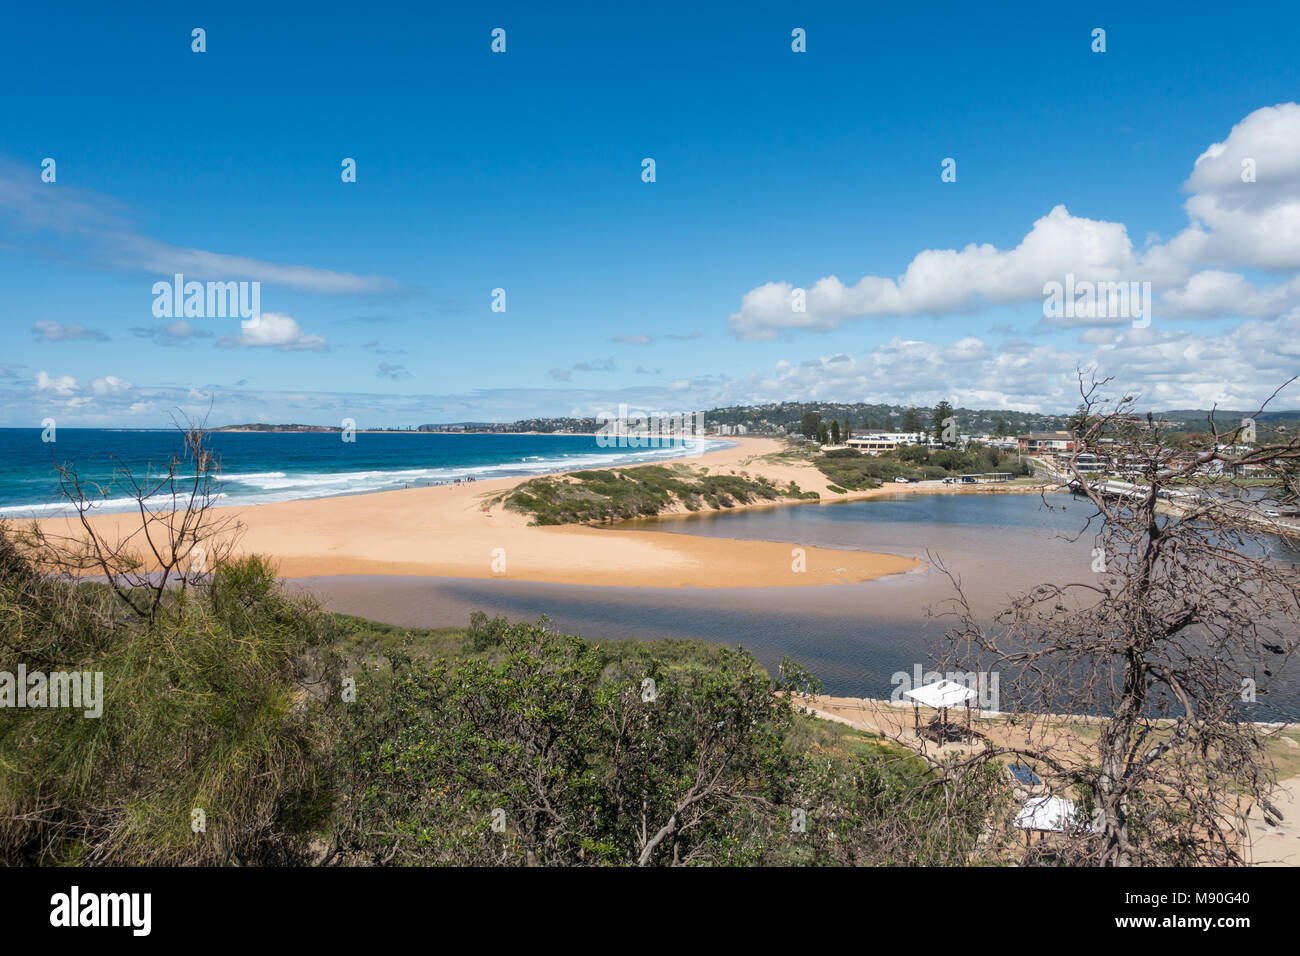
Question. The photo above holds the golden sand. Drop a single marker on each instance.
(451, 531)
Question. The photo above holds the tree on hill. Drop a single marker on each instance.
(810, 424)
(182, 534)
(213, 739)
(546, 750)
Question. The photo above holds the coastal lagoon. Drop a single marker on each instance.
(852, 636)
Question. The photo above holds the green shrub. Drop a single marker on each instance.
(203, 709)
(642, 492)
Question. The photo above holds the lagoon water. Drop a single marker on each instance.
(852, 636)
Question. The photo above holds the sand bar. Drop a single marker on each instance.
(451, 531)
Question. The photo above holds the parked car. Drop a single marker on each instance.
(900, 480)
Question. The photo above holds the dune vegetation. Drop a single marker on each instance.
(614, 494)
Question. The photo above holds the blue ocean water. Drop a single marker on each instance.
(258, 467)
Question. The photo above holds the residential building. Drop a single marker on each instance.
(873, 441)
(1046, 443)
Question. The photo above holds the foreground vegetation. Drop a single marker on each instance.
(244, 726)
(208, 708)
(642, 492)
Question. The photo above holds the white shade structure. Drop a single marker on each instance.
(1049, 814)
(942, 694)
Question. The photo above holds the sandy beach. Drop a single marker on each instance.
(454, 531)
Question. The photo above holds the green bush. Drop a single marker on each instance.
(642, 492)
(203, 709)
(851, 469)
(582, 760)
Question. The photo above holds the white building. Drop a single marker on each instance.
(874, 442)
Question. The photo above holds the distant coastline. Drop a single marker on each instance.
(332, 429)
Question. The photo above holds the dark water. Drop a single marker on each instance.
(853, 637)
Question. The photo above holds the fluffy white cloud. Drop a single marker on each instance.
(65, 392)
(969, 349)
(1212, 293)
(63, 385)
(171, 334)
(942, 281)
(1247, 223)
(110, 385)
(1169, 369)
(276, 330)
(1231, 223)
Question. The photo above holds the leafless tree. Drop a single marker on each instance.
(173, 536)
(1140, 691)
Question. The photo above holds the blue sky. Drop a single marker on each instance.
(522, 171)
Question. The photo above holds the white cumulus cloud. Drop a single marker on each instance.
(1233, 223)
(276, 330)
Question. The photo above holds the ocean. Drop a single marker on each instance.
(259, 467)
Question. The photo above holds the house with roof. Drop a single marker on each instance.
(874, 441)
(1045, 443)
